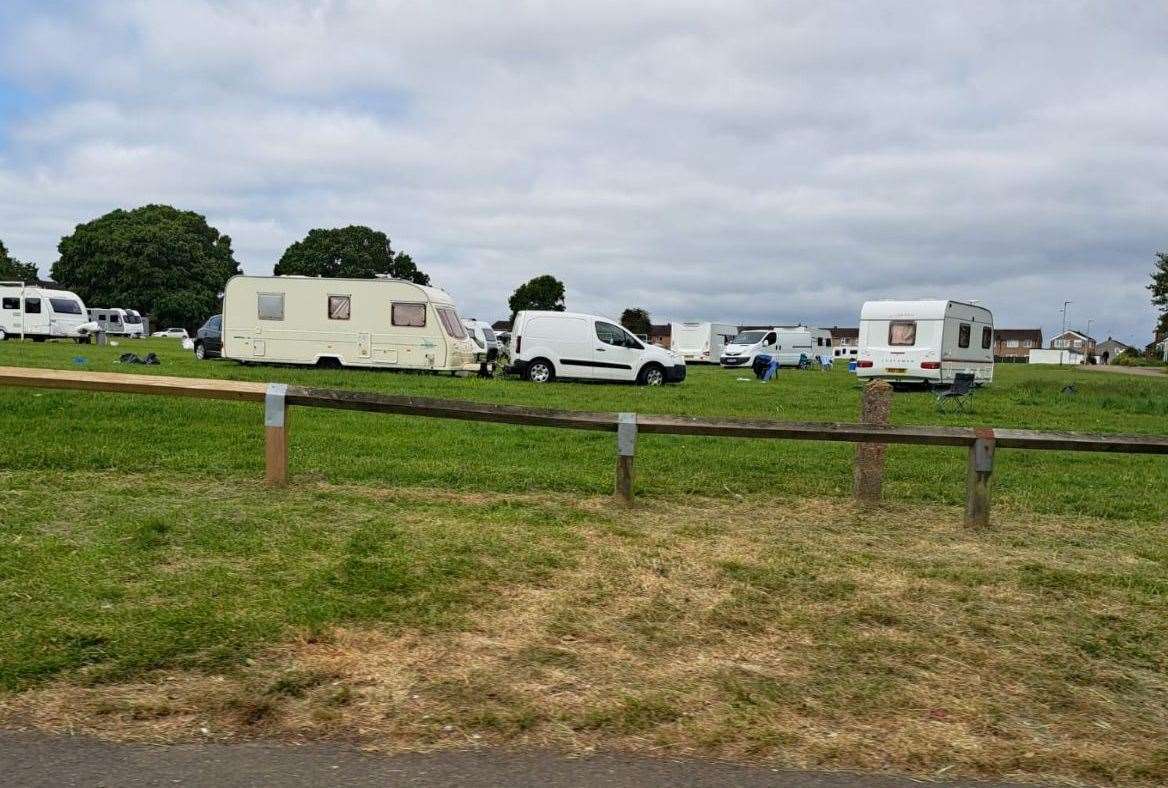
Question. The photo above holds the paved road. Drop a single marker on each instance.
(41, 760)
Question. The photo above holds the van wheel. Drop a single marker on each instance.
(541, 371)
(651, 375)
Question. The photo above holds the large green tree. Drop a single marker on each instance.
(1159, 288)
(636, 319)
(543, 292)
(12, 270)
(167, 263)
(352, 252)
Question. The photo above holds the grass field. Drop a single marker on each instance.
(138, 434)
(425, 583)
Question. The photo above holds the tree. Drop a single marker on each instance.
(542, 292)
(167, 263)
(12, 270)
(1159, 288)
(353, 252)
(636, 319)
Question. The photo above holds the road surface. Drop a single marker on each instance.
(30, 759)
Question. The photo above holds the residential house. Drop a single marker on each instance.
(1015, 344)
(1108, 351)
(1075, 341)
(661, 334)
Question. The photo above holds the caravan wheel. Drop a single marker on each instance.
(201, 351)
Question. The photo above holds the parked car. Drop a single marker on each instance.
(209, 338)
(173, 333)
(546, 345)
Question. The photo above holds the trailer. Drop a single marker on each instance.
(380, 323)
(700, 342)
(117, 321)
(925, 342)
(40, 313)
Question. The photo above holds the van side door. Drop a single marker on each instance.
(616, 354)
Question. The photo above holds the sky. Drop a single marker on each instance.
(732, 161)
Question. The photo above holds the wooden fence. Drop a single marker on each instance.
(277, 398)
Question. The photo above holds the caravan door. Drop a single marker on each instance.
(36, 313)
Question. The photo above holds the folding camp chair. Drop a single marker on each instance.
(959, 395)
(824, 363)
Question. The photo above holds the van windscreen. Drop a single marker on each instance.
(748, 337)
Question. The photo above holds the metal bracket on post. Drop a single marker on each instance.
(274, 406)
(626, 434)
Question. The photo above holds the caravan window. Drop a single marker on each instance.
(987, 337)
(963, 332)
(412, 315)
(11, 303)
(115, 317)
(902, 333)
(32, 306)
(451, 322)
(270, 306)
(65, 306)
(338, 307)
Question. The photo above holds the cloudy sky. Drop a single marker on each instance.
(758, 162)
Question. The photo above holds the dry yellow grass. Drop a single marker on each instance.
(801, 633)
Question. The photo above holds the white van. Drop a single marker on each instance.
(40, 313)
(547, 345)
(925, 342)
(699, 342)
(382, 323)
(787, 343)
(120, 322)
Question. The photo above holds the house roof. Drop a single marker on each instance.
(1070, 331)
(1033, 334)
(501, 325)
(661, 330)
(844, 333)
(1114, 342)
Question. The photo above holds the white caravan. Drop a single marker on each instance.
(699, 342)
(382, 323)
(787, 343)
(40, 313)
(122, 322)
(925, 341)
(547, 345)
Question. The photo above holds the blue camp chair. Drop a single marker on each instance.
(825, 363)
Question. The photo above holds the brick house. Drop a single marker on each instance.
(845, 341)
(1073, 340)
(661, 334)
(1110, 349)
(1015, 344)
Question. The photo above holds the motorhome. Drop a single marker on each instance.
(925, 342)
(547, 345)
(380, 323)
(699, 342)
(117, 321)
(789, 344)
(40, 313)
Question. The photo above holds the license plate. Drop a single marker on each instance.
(897, 370)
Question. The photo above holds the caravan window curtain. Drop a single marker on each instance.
(339, 307)
(963, 332)
(410, 315)
(987, 337)
(271, 306)
(902, 333)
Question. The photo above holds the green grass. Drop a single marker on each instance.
(77, 431)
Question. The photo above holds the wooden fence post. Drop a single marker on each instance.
(626, 445)
(868, 477)
(977, 484)
(276, 435)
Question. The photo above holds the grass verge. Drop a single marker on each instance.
(794, 632)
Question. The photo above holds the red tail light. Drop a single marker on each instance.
(864, 364)
(518, 345)
(930, 365)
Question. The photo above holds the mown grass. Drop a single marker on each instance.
(795, 631)
(77, 432)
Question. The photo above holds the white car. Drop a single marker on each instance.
(173, 333)
(547, 345)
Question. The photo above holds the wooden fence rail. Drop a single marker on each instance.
(277, 398)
